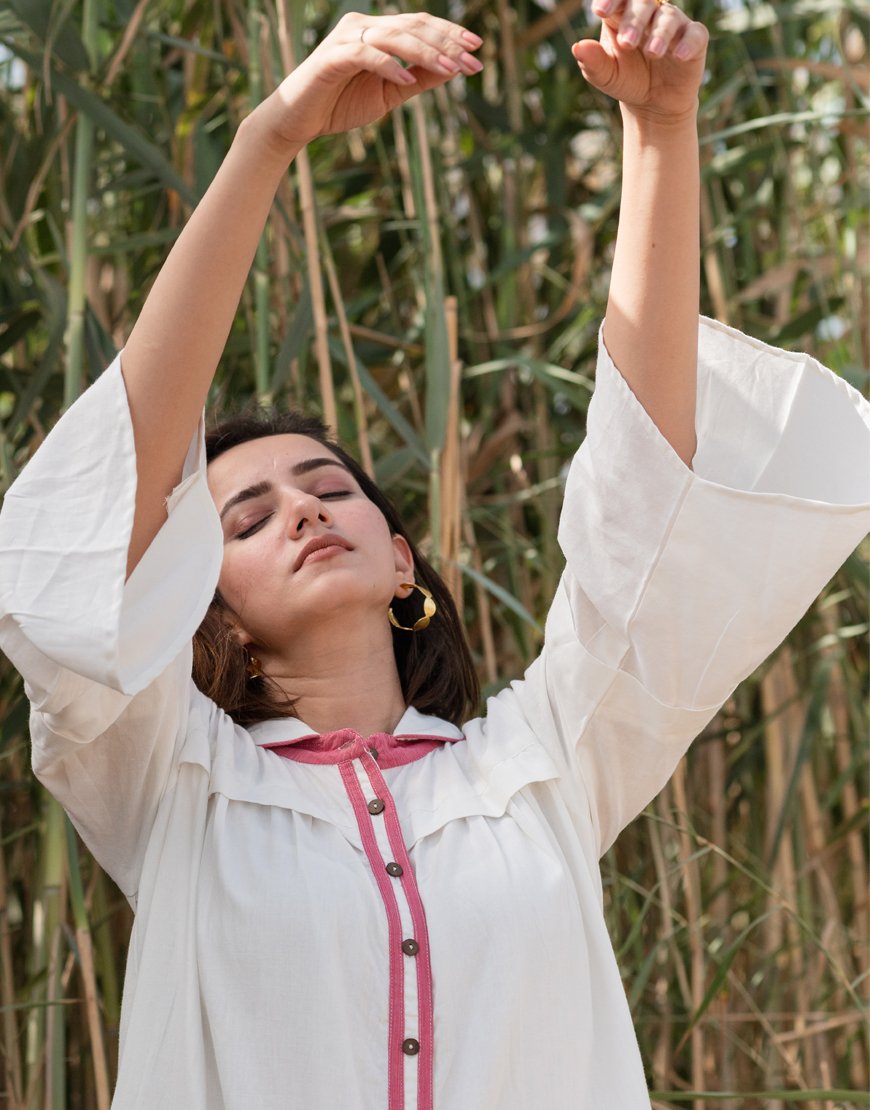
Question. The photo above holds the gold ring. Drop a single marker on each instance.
(661, 3)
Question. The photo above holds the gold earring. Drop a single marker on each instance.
(429, 610)
(252, 666)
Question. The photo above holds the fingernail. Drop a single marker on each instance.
(629, 37)
(470, 64)
(603, 7)
(407, 78)
(472, 39)
(447, 64)
(656, 47)
(682, 52)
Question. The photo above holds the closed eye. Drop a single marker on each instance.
(251, 529)
(330, 494)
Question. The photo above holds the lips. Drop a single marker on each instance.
(318, 544)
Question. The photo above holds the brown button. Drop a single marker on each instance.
(394, 869)
(410, 1047)
(410, 947)
(373, 752)
(376, 806)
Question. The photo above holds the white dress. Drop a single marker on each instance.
(277, 962)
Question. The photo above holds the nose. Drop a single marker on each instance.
(304, 510)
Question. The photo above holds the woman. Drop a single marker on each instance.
(361, 904)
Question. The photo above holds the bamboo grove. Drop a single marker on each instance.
(433, 286)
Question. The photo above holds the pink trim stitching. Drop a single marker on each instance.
(421, 935)
(395, 1056)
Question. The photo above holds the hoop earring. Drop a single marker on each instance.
(252, 666)
(429, 610)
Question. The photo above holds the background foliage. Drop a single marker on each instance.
(435, 286)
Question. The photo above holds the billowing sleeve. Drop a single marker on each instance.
(106, 663)
(680, 582)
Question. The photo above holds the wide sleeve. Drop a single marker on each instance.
(106, 663)
(679, 582)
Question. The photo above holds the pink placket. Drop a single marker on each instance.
(391, 866)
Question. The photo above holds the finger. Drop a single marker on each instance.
(448, 38)
(667, 26)
(422, 22)
(691, 42)
(444, 57)
(376, 61)
(597, 66)
(610, 10)
(634, 20)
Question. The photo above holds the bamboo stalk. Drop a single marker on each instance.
(365, 450)
(720, 907)
(438, 368)
(778, 690)
(11, 1036)
(78, 226)
(692, 893)
(88, 975)
(109, 964)
(131, 29)
(510, 75)
(663, 1057)
(711, 263)
(403, 163)
(451, 466)
(484, 623)
(54, 901)
(855, 842)
(257, 29)
(308, 207)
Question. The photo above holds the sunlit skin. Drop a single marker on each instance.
(319, 629)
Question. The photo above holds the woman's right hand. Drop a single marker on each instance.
(354, 76)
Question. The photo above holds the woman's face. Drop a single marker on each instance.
(302, 542)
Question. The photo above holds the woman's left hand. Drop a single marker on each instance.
(650, 57)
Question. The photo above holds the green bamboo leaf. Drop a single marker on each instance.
(295, 341)
(135, 244)
(386, 406)
(54, 323)
(15, 324)
(828, 117)
(724, 966)
(191, 47)
(51, 24)
(497, 591)
(552, 376)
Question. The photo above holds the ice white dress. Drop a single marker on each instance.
(413, 921)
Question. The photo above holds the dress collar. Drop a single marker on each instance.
(411, 726)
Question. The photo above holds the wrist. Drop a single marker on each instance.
(652, 124)
(264, 143)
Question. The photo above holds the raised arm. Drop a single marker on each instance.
(351, 79)
(651, 58)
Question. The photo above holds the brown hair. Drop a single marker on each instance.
(435, 665)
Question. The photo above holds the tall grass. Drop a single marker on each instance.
(433, 286)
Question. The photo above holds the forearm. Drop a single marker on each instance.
(173, 351)
(651, 327)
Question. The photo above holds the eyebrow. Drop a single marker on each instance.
(259, 488)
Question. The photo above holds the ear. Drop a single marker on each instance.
(243, 637)
(404, 563)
